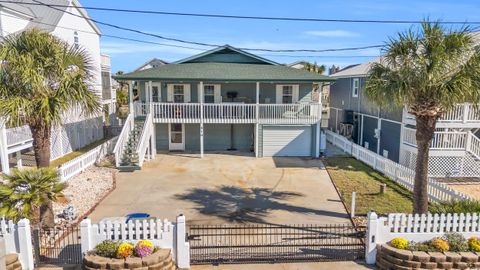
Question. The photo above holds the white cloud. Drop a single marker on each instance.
(331, 33)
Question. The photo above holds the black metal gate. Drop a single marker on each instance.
(275, 243)
(58, 246)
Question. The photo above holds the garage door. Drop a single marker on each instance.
(295, 141)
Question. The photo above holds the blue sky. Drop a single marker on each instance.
(127, 55)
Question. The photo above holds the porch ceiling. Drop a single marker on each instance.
(225, 72)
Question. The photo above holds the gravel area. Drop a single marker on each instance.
(84, 191)
(470, 189)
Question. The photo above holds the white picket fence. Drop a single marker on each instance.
(162, 234)
(18, 239)
(400, 174)
(417, 228)
(79, 164)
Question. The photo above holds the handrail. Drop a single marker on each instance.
(474, 145)
(144, 142)
(440, 140)
(18, 135)
(123, 138)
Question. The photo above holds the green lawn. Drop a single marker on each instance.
(59, 161)
(350, 175)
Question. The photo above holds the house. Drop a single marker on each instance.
(223, 99)
(390, 132)
(70, 22)
(154, 63)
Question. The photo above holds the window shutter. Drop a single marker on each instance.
(187, 93)
(279, 94)
(170, 93)
(217, 93)
(295, 93)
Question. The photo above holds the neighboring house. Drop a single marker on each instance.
(76, 131)
(154, 63)
(390, 132)
(226, 99)
(298, 64)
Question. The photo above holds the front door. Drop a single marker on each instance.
(176, 137)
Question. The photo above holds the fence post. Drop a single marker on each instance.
(352, 208)
(183, 247)
(86, 235)
(3, 263)
(25, 244)
(371, 239)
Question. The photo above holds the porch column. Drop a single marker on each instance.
(257, 112)
(149, 96)
(3, 147)
(200, 90)
(319, 121)
(130, 98)
(379, 126)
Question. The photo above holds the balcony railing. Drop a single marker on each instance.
(441, 140)
(301, 113)
(18, 136)
(462, 113)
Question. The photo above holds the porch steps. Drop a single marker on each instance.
(129, 161)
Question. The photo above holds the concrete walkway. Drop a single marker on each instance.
(287, 266)
(221, 189)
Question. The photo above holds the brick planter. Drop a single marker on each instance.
(12, 262)
(160, 260)
(389, 257)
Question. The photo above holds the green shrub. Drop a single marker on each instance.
(107, 248)
(457, 242)
(453, 206)
(422, 246)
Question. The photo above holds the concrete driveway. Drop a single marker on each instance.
(227, 189)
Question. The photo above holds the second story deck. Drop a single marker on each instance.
(231, 113)
(462, 116)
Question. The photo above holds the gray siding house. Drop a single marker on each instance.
(391, 131)
(229, 99)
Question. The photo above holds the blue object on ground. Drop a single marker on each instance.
(136, 216)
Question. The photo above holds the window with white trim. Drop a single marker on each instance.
(178, 93)
(75, 40)
(355, 87)
(287, 94)
(155, 93)
(209, 93)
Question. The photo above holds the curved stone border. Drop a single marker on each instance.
(160, 260)
(12, 262)
(389, 257)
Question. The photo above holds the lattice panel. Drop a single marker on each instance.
(443, 166)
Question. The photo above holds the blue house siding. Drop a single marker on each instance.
(161, 133)
(390, 140)
(370, 124)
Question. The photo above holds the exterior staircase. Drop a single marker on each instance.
(130, 161)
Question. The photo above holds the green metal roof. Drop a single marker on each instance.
(224, 72)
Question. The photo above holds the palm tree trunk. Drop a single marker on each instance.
(41, 144)
(424, 135)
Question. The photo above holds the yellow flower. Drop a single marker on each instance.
(125, 250)
(474, 243)
(399, 242)
(440, 245)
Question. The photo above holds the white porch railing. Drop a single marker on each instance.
(440, 140)
(79, 164)
(19, 135)
(474, 146)
(226, 113)
(461, 113)
(400, 174)
(123, 138)
(144, 143)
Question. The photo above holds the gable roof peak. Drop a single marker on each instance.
(254, 57)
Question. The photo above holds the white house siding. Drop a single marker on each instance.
(11, 22)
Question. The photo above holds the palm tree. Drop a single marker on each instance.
(26, 192)
(41, 78)
(320, 69)
(428, 72)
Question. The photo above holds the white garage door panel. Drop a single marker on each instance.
(287, 141)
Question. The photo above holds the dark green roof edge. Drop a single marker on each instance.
(126, 78)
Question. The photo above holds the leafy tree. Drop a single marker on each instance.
(428, 72)
(41, 78)
(30, 192)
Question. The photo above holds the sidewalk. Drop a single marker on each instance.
(287, 266)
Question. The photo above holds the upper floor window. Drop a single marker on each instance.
(75, 39)
(209, 93)
(287, 94)
(178, 93)
(155, 93)
(355, 87)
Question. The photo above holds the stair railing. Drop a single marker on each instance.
(123, 139)
(144, 142)
(474, 145)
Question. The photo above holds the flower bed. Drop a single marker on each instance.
(123, 255)
(452, 251)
